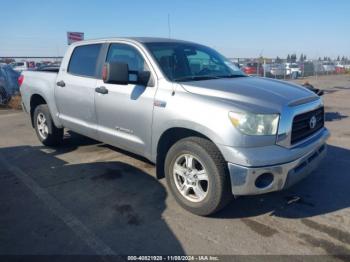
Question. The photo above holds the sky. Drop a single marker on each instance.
(235, 28)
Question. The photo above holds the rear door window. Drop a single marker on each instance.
(83, 61)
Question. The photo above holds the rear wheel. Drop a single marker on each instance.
(3, 96)
(45, 128)
(197, 176)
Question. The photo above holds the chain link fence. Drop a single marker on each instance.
(291, 70)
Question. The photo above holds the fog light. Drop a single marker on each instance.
(264, 180)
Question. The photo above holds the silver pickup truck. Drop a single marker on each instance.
(212, 131)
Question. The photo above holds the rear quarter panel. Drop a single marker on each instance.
(43, 84)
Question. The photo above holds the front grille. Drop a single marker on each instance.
(301, 124)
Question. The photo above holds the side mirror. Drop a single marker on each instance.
(116, 73)
(143, 77)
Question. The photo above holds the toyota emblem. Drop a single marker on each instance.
(312, 122)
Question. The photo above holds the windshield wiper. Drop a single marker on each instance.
(198, 78)
(231, 76)
(195, 78)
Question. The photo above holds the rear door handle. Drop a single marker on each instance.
(61, 83)
(102, 90)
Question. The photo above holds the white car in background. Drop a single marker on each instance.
(20, 66)
(277, 70)
(293, 70)
(328, 67)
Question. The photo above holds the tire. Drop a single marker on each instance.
(3, 96)
(217, 188)
(48, 133)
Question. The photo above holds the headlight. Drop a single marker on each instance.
(255, 124)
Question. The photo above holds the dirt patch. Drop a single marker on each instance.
(259, 228)
(331, 248)
(331, 231)
(15, 103)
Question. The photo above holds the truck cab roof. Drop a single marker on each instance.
(142, 40)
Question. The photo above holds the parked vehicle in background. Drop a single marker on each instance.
(8, 83)
(293, 70)
(48, 68)
(253, 69)
(31, 65)
(278, 70)
(19, 66)
(328, 67)
(23, 65)
(340, 69)
(211, 130)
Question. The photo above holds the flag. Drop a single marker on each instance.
(74, 37)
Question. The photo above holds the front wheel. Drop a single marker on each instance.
(45, 128)
(197, 175)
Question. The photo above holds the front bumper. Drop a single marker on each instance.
(245, 180)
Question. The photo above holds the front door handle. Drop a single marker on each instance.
(61, 83)
(102, 90)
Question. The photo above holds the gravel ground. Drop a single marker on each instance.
(90, 198)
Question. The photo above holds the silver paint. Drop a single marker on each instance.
(143, 114)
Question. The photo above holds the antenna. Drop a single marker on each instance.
(169, 28)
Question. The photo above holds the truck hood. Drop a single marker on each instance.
(261, 92)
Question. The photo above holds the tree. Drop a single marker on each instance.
(301, 59)
(293, 58)
(278, 60)
(288, 58)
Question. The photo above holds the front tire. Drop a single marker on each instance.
(197, 176)
(45, 128)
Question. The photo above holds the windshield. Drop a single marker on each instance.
(252, 65)
(294, 66)
(191, 62)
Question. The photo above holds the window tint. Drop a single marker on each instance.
(84, 59)
(127, 54)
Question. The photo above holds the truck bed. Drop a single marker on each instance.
(38, 82)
